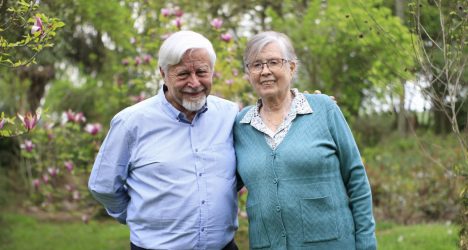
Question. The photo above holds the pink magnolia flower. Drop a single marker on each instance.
(69, 165)
(53, 171)
(147, 58)
(75, 117)
(2, 122)
(45, 178)
(28, 145)
(37, 27)
(93, 128)
(178, 12)
(137, 60)
(217, 23)
(30, 120)
(226, 37)
(178, 23)
(36, 183)
(165, 12)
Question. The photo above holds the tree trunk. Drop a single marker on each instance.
(401, 120)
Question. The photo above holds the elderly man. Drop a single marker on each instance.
(167, 165)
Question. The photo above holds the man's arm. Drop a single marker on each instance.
(109, 173)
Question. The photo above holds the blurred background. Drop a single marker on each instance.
(395, 67)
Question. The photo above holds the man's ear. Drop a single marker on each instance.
(162, 72)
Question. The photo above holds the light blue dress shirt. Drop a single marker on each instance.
(173, 182)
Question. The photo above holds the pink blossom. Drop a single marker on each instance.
(93, 128)
(75, 117)
(53, 171)
(147, 58)
(165, 12)
(137, 60)
(45, 178)
(36, 183)
(69, 165)
(178, 23)
(124, 62)
(29, 120)
(28, 145)
(229, 81)
(226, 37)
(178, 12)
(217, 23)
(235, 72)
(37, 27)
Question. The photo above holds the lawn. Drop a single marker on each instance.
(23, 232)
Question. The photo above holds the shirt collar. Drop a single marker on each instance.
(175, 113)
(299, 104)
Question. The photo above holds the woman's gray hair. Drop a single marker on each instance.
(176, 45)
(260, 40)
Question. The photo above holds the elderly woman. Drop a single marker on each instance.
(297, 157)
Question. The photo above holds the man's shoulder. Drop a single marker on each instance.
(222, 104)
(137, 108)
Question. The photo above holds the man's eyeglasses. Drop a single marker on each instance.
(272, 64)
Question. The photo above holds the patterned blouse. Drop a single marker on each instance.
(299, 106)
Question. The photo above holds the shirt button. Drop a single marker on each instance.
(203, 229)
(200, 174)
(203, 202)
(196, 150)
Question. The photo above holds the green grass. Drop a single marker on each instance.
(22, 232)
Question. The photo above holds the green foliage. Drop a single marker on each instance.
(412, 187)
(56, 162)
(345, 48)
(37, 32)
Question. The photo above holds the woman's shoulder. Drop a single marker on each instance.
(320, 101)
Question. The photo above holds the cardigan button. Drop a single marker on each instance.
(283, 234)
(275, 180)
(278, 208)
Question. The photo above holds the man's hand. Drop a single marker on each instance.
(320, 92)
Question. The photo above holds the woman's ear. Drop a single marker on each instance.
(292, 67)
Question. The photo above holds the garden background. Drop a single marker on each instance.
(395, 67)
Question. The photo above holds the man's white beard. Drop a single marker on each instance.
(194, 105)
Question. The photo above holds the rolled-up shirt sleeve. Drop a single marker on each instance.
(110, 171)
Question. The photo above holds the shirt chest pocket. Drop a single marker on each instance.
(219, 160)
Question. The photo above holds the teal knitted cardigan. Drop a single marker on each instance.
(312, 191)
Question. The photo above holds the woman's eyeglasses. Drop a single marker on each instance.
(272, 64)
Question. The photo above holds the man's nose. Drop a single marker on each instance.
(194, 82)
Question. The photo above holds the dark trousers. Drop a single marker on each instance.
(230, 246)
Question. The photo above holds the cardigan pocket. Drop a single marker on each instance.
(319, 221)
(258, 236)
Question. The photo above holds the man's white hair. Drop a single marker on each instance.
(176, 45)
